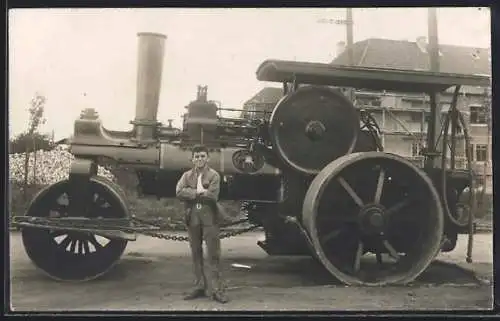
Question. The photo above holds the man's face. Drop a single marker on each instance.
(200, 159)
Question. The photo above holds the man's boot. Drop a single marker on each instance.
(195, 294)
(220, 297)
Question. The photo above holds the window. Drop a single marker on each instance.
(377, 102)
(416, 148)
(368, 101)
(481, 153)
(416, 117)
(477, 115)
(416, 104)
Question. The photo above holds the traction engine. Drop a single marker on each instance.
(311, 172)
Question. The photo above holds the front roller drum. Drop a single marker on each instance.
(68, 255)
(374, 219)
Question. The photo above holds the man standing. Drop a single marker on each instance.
(199, 189)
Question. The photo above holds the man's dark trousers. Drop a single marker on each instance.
(202, 225)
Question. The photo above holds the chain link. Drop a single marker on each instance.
(137, 222)
(245, 206)
(182, 238)
(166, 237)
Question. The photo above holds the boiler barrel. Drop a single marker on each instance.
(149, 75)
(175, 158)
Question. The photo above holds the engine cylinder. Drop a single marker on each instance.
(149, 73)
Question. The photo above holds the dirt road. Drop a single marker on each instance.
(153, 275)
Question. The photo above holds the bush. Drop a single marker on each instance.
(17, 205)
(51, 166)
(25, 141)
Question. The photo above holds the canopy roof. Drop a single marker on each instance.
(365, 77)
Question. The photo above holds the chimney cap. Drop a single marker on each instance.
(151, 34)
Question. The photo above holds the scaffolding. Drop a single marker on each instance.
(388, 105)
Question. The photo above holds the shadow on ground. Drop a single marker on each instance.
(280, 272)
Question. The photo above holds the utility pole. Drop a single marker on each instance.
(349, 35)
(435, 109)
(348, 22)
(433, 40)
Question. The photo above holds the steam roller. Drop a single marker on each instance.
(312, 172)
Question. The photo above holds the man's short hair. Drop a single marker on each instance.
(199, 148)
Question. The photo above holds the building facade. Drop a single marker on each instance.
(403, 118)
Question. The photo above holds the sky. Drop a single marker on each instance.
(87, 58)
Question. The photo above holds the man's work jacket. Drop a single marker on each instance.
(186, 190)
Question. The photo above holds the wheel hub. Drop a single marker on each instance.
(315, 130)
(372, 219)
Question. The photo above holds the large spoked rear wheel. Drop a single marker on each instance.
(68, 255)
(374, 219)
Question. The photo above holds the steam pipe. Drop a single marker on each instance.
(151, 50)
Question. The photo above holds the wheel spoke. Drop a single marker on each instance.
(350, 191)
(80, 247)
(357, 258)
(392, 251)
(73, 246)
(94, 242)
(397, 207)
(86, 247)
(57, 233)
(380, 185)
(331, 235)
(64, 244)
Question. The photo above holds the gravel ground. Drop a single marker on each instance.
(154, 275)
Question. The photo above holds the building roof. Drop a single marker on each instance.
(266, 95)
(401, 54)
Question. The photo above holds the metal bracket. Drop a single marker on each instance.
(79, 185)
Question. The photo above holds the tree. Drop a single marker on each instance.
(24, 142)
(36, 119)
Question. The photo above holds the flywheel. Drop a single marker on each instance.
(311, 127)
(72, 255)
(374, 219)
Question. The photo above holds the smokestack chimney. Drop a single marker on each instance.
(149, 74)
(340, 48)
